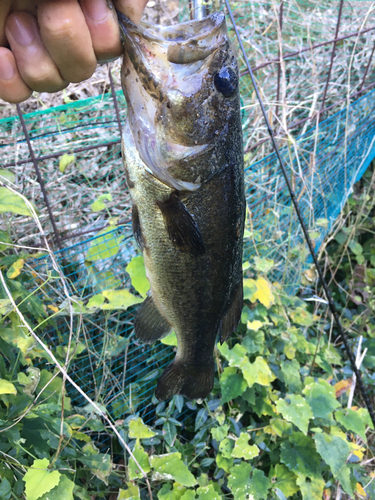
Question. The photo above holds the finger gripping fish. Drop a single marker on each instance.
(183, 156)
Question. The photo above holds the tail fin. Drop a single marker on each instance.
(194, 382)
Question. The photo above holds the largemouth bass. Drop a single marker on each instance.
(183, 156)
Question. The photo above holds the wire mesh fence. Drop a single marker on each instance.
(313, 63)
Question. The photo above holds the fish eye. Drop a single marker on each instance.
(226, 81)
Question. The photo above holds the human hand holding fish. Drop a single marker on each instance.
(46, 44)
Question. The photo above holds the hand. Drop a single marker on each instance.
(55, 42)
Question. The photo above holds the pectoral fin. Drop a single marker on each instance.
(232, 317)
(181, 226)
(149, 324)
(137, 231)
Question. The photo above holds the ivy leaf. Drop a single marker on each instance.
(39, 479)
(232, 384)
(297, 411)
(132, 493)
(99, 464)
(333, 450)
(286, 480)
(63, 491)
(96, 301)
(242, 449)
(15, 269)
(254, 340)
(290, 375)
(137, 429)
(301, 316)
(263, 265)
(224, 463)
(219, 433)
(257, 372)
(12, 202)
(243, 487)
(168, 493)
(137, 272)
(119, 299)
(311, 490)
(98, 204)
(264, 293)
(351, 421)
(249, 288)
(7, 387)
(105, 245)
(321, 397)
(189, 495)
(142, 458)
(239, 479)
(207, 493)
(171, 466)
(226, 447)
(170, 339)
(300, 456)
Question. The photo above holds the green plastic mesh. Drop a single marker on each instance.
(324, 155)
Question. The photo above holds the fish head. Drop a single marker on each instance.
(181, 87)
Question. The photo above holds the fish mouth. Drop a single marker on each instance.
(186, 43)
(157, 60)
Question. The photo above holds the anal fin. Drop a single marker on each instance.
(149, 324)
(232, 317)
(181, 226)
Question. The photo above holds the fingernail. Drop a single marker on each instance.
(6, 68)
(22, 29)
(97, 10)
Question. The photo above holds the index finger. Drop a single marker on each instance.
(133, 9)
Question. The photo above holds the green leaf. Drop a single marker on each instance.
(132, 493)
(169, 339)
(300, 456)
(188, 495)
(98, 203)
(242, 449)
(5, 489)
(351, 421)
(254, 340)
(171, 466)
(168, 493)
(239, 481)
(119, 299)
(137, 429)
(39, 479)
(263, 265)
(208, 493)
(321, 397)
(137, 272)
(219, 433)
(4, 239)
(105, 245)
(7, 387)
(297, 411)
(290, 375)
(311, 490)
(226, 447)
(286, 480)
(301, 316)
(244, 487)
(63, 491)
(232, 384)
(65, 160)
(224, 463)
(12, 202)
(100, 465)
(7, 176)
(96, 301)
(142, 458)
(333, 450)
(345, 480)
(170, 432)
(249, 288)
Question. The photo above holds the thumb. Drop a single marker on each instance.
(133, 9)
